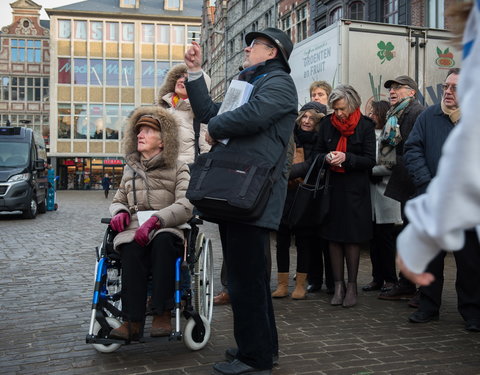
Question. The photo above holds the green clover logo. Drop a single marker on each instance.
(386, 51)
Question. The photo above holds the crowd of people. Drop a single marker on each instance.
(376, 164)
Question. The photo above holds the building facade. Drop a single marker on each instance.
(25, 69)
(107, 58)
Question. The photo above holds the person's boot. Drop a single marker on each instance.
(222, 298)
(282, 288)
(128, 331)
(161, 324)
(338, 294)
(351, 295)
(300, 291)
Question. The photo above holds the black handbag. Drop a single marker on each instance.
(232, 186)
(311, 202)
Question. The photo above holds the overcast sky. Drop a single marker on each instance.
(6, 10)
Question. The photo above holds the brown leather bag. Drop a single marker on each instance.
(298, 157)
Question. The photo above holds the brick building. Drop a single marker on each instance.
(25, 69)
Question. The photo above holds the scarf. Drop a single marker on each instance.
(175, 100)
(346, 129)
(454, 114)
(391, 137)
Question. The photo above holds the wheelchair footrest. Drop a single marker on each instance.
(91, 339)
(175, 336)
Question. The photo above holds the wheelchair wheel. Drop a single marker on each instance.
(203, 280)
(192, 337)
(97, 331)
(114, 286)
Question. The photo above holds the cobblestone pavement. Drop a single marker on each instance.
(47, 267)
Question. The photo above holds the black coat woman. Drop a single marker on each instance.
(347, 141)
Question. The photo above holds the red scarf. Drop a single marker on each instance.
(346, 129)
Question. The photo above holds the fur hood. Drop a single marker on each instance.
(173, 74)
(169, 132)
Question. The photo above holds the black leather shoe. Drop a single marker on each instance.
(237, 367)
(231, 354)
(422, 317)
(371, 286)
(312, 288)
(399, 292)
(472, 325)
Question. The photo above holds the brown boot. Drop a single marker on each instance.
(351, 295)
(221, 298)
(161, 325)
(128, 331)
(339, 293)
(300, 291)
(282, 288)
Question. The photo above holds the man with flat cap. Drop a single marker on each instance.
(405, 108)
(261, 128)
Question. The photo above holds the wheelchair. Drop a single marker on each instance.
(193, 298)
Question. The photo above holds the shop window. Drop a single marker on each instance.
(128, 32)
(80, 71)
(128, 73)
(96, 72)
(80, 30)
(112, 72)
(113, 122)
(112, 31)
(162, 69)
(148, 74)
(96, 121)
(64, 70)
(148, 33)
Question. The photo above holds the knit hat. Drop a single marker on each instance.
(318, 107)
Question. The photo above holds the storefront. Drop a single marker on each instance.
(87, 173)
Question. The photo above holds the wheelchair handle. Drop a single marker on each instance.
(105, 220)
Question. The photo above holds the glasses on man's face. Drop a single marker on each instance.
(446, 86)
(255, 41)
(398, 87)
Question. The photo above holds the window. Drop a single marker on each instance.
(162, 69)
(64, 70)
(96, 72)
(128, 32)
(244, 6)
(112, 31)
(178, 34)
(18, 89)
(128, 73)
(128, 3)
(80, 71)
(113, 121)
(34, 89)
(112, 72)
(64, 121)
(4, 88)
(436, 17)
(80, 121)
(26, 50)
(148, 74)
(301, 23)
(163, 34)
(96, 30)
(356, 11)
(391, 11)
(336, 14)
(193, 34)
(267, 19)
(174, 4)
(148, 33)
(64, 29)
(287, 25)
(255, 26)
(80, 30)
(96, 123)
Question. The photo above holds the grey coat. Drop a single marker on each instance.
(261, 127)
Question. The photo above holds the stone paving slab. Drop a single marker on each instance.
(47, 268)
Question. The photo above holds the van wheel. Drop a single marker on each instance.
(31, 211)
(42, 206)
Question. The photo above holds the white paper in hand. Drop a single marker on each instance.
(143, 216)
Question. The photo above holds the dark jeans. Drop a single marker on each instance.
(382, 253)
(158, 259)
(304, 241)
(249, 289)
(467, 282)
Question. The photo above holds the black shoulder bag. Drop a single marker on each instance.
(232, 186)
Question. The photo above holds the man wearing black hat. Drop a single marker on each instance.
(405, 109)
(262, 128)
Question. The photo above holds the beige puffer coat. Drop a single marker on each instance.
(160, 183)
(184, 115)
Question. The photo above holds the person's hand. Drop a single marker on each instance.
(120, 221)
(143, 232)
(422, 279)
(209, 139)
(335, 158)
(193, 57)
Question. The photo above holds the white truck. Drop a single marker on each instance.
(366, 54)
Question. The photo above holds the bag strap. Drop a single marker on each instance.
(135, 206)
(196, 129)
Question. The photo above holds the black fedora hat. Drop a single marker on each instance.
(279, 39)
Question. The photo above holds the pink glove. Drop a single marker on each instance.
(142, 233)
(120, 221)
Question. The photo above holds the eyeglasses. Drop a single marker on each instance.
(255, 41)
(398, 87)
(453, 88)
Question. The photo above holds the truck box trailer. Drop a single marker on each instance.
(366, 54)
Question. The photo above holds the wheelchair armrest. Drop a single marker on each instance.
(185, 226)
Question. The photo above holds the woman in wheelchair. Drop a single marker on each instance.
(147, 209)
